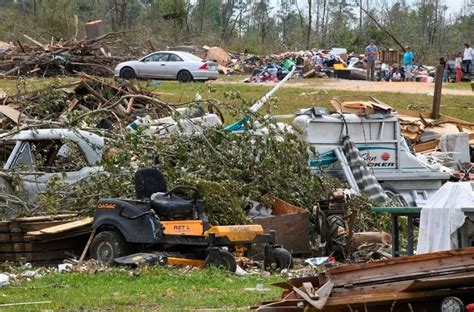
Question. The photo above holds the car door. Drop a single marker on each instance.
(174, 65)
(154, 66)
(43, 162)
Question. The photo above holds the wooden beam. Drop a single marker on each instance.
(35, 41)
(63, 227)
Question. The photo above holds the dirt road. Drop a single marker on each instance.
(378, 86)
(364, 86)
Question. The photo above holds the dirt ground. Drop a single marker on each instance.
(378, 86)
(363, 86)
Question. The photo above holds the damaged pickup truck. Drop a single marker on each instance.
(31, 158)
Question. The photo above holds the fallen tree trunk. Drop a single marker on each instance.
(372, 238)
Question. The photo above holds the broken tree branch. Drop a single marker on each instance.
(380, 25)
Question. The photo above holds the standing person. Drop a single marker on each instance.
(408, 61)
(458, 67)
(443, 62)
(467, 58)
(370, 52)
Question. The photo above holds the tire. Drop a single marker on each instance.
(227, 261)
(108, 245)
(128, 73)
(334, 223)
(185, 76)
(394, 198)
(452, 304)
(283, 258)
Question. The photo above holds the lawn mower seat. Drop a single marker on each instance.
(149, 181)
(168, 205)
(150, 184)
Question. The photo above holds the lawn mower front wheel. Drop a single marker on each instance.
(108, 245)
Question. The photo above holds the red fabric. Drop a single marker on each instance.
(458, 74)
(470, 307)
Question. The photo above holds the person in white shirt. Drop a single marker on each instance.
(396, 77)
(467, 58)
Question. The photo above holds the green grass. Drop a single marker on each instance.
(151, 289)
(462, 85)
(289, 98)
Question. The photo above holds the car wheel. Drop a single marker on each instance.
(128, 73)
(185, 76)
(108, 245)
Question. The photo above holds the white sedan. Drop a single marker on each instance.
(174, 65)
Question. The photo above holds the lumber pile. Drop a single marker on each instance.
(386, 285)
(424, 132)
(43, 238)
(63, 57)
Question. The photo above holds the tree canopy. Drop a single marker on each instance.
(261, 26)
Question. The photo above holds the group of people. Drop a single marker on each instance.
(463, 59)
(462, 64)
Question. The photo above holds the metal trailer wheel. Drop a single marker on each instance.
(108, 245)
(452, 304)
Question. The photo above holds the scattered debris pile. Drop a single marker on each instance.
(63, 57)
(43, 238)
(400, 284)
(106, 103)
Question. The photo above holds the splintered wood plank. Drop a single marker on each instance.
(63, 227)
(412, 267)
(47, 218)
(394, 296)
(35, 226)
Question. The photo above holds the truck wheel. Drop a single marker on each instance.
(452, 304)
(128, 73)
(283, 258)
(227, 260)
(108, 245)
(184, 76)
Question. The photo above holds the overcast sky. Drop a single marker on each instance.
(454, 6)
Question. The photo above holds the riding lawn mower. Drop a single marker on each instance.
(174, 223)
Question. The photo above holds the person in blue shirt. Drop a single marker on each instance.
(370, 55)
(408, 61)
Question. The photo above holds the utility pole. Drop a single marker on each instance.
(435, 113)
